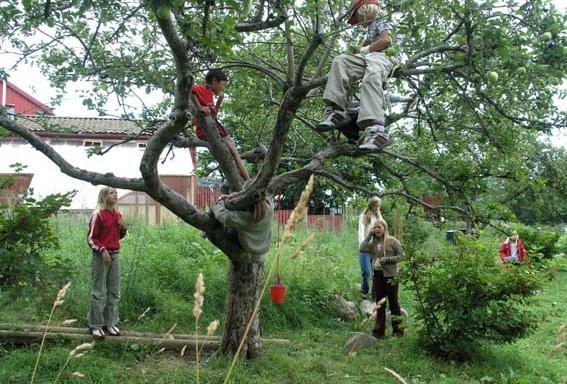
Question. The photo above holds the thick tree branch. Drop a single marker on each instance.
(256, 26)
(315, 42)
(188, 142)
(290, 53)
(288, 107)
(432, 207)
(220, 152)
(400, 72)
(315, 164)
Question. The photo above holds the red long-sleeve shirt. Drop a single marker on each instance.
(206, 98)
(104, 231)
(506, 250)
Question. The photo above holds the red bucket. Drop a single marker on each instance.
(277, 291)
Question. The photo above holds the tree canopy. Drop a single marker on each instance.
(479, 79)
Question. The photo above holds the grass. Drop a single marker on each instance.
(159, 267)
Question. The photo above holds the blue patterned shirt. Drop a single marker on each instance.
(375, 28)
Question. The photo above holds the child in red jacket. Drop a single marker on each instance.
(202, 97)
(512, 249)
(106, 228)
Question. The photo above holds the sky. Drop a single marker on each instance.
(31, 80)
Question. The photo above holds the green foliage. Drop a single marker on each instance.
(26, 232)
(540, 195)
(539, 243)
(561, 245)
(465, 297)
(473, 139)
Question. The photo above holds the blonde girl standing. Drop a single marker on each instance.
(366, 221)
(106, 228)
(386, 252)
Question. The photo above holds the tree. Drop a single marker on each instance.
(278, 54)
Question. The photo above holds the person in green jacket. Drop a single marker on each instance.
(254, 225)
(386, 252)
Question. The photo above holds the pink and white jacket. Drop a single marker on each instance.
(105, 232)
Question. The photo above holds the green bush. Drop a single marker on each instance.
(539, 244)
(464, 297)
(561, 246)
(25, 232)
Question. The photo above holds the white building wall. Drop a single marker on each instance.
(123, 160)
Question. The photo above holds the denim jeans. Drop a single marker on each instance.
(366, 269)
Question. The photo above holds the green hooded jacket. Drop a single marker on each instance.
(255, 236)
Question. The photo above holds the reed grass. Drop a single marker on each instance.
(59, 300)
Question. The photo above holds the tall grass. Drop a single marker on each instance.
(160, 266)
(59, 300)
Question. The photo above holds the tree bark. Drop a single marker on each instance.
(243, 292)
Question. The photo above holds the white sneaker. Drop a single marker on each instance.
(113, 331)
(376, 137)
(98, 333)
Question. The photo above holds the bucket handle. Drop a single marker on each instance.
(277, 280)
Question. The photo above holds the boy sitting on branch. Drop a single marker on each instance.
(370, 65)
(203, 98)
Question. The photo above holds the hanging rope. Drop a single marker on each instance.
(279, 239)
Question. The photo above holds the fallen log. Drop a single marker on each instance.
(85, 331)
(26, 337)
(126, 333)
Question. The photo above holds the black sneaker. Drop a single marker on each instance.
(333, 119)
(378, 335)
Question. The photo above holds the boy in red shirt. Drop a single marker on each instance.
(203, 98)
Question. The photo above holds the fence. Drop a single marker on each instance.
(207, 195)
(318, 222)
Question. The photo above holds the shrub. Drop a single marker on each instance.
(561, 245)
(539, 244)
(465, 297)
(25, 231)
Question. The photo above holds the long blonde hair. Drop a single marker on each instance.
(374, 201)
(101, 204)
(385, 238)
(260, 207)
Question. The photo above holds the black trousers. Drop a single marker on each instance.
(387, 287)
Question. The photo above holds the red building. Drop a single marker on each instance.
(24, 103)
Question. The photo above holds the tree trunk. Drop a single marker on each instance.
(243, 291)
